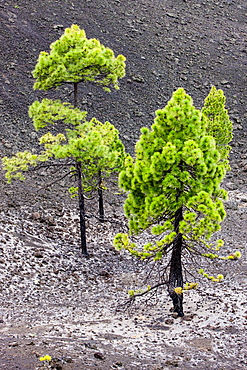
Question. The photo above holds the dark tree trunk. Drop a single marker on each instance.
(80, 191)
(75, 94)
(100, 197)
(175, 275)
(82, 210)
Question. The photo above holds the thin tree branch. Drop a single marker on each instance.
(55, 182)
(149, 290)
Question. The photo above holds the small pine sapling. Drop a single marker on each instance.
(174, 189)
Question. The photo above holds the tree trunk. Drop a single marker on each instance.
(80, 191)
(75, 94)
(82, 210)
(100, 197)
(175, 275)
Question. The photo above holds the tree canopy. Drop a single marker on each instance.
(176, 164)
(74, 58)
(220, 125)
(94, 144)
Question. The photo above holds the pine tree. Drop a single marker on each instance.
(74, 58)
(219, 125)
(94, 148)
(173, 186)
(100, 150)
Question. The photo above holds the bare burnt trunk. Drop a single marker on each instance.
(100, 198)
(81, 210)
(175, 275)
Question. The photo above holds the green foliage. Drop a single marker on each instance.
(52, 111)
(74, 58)
(177, 165)
(219, 125)
(94, 144)
(217, 279)
(187, 286)
(16, 165)
(93, 147)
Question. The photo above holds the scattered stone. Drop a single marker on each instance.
(99, 355)
(224, 82)
(56, 364)
(171, 15)
(188, 317)
(36, 216)
(38, 254)
(138, 78)
(58, 26)
(7, 144)
(90, 345)
(174, 363)
(69, 360)
(231, 186)
(231, 205)
(169, 321)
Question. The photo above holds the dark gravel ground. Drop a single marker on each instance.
(168, 44)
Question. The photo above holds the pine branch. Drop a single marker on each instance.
(55, 181)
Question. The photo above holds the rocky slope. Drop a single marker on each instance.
(52, 300)
(56, 302)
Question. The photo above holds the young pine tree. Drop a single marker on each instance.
(174, 188)
(219, 125)
(92, 149)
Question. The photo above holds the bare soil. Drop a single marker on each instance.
(54, 301)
